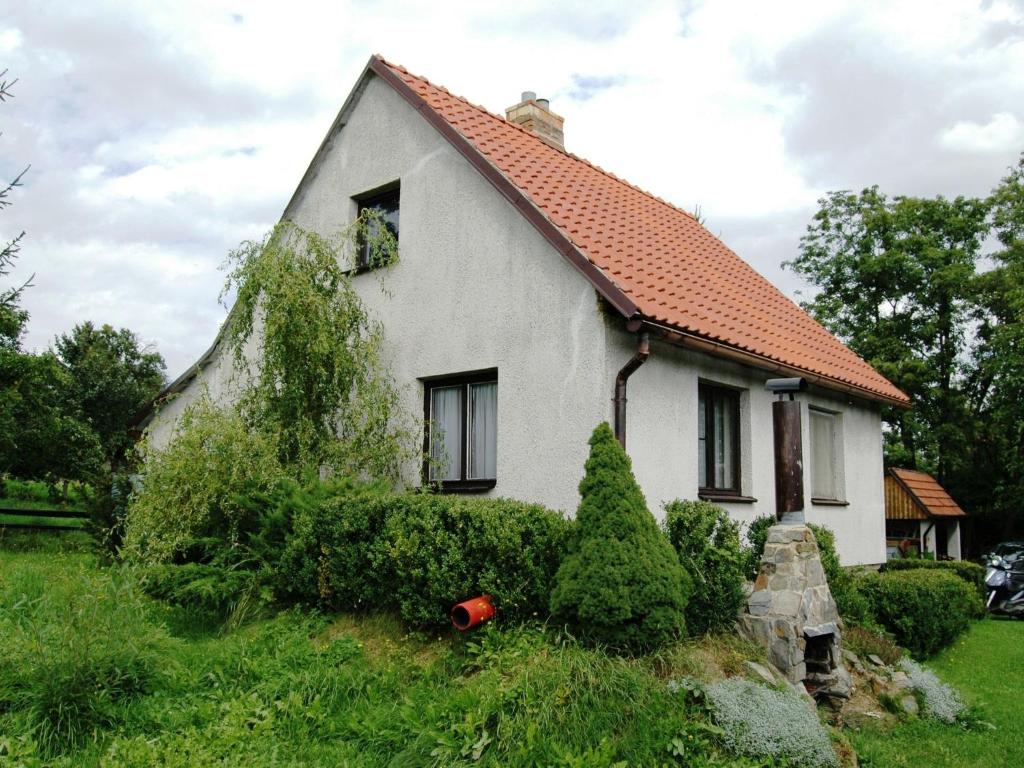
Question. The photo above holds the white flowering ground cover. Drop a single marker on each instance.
(762, 722)
(940, 700)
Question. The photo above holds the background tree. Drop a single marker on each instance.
(12, 317)
(895, 282)
(998, 370)
(112, 377)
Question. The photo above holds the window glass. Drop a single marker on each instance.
(483, 430)
(823, 455)
(461, 415)
(702, 440)
(717, 443)
(387, 206)
(446, 433)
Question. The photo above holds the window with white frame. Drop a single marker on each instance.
(826, 478)
(461, 415)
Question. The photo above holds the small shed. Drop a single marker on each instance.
(920, 515)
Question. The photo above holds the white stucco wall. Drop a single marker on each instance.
(662, 442)
(478, 287)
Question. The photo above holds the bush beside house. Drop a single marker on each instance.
(970, 572)
(925, 610)
(707, 541)
(621, 585)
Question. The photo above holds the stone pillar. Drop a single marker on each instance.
(791, 602)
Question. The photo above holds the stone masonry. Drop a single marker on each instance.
(792, 614)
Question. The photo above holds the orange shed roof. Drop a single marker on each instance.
(653, 261)
(926, 490)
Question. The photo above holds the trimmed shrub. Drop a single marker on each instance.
(445, 549)
(972, 573)
(360, 547)
(621, 584)
(192, 486)
(707, 541)
(925, 610)
(331, 556)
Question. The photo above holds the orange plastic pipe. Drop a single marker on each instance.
(472, 612)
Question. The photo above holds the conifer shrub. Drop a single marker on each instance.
(707, 541)
(621, 585)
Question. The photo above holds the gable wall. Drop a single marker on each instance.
(476, 287)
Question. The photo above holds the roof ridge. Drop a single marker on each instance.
(534, 136)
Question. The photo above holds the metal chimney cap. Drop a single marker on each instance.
(529, 96)
(546, 103)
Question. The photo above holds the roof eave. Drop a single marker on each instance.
(694, 341)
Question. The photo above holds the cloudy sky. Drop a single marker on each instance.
(162, 134)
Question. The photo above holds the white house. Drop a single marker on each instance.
(529, 280)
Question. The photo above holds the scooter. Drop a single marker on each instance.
(1004, 579)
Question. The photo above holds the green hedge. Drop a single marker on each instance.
(418, 553)
(926, 610)
(972, 573)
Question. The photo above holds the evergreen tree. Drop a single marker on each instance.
(621, 584)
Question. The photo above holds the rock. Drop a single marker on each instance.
(909, 704)
(900, 680)
(877, 661)
(851, 657)
(878, 685)
(801, 691)
(760, 672)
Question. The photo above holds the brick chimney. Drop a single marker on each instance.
(535, 115)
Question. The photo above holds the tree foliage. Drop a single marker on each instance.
(895, 279)
(621, 584)
(309, 356)
(112, 376)
(914, 287)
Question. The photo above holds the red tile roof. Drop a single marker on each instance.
(669, 267)
(926, 490)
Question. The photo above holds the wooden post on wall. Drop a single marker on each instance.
(789, 462)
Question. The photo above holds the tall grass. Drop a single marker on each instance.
(97, 680)
(77, 649)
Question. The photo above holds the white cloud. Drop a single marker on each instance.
(1003, 133)
(162, 134)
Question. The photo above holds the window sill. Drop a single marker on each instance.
(733, 498)
(462, 486)
(830, 502)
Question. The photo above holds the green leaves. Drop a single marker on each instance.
(307, 356)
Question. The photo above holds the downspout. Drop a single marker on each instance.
(643, 351)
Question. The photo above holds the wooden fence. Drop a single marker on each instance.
(42, 519)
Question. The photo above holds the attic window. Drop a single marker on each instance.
(385, 204)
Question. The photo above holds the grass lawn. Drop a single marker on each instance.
(987, 667)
